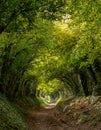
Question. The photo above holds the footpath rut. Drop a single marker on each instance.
(43, 119)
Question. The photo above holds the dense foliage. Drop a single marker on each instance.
(50, 48)
(36, 48)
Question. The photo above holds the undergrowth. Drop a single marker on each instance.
(12, 114)
(26, 103)
(10, 118)
(81, 110)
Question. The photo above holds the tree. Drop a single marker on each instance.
(15, 61)
(86, 19)
(20, 41)
(20, 15)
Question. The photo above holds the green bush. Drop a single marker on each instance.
(10, 119)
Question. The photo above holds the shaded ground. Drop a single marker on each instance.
(48, 118)
(44, 119)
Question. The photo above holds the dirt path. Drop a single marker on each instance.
(44, 119)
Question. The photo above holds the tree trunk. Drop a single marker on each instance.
(83, 78)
